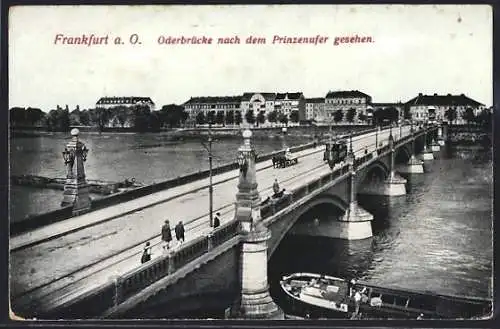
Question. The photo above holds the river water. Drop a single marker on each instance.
(149, 158)
(436, 238)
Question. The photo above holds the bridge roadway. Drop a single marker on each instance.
(60, 261)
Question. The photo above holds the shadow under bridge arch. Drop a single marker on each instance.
(373, 174)
(403, 154)
(283, 225)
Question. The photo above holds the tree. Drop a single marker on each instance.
(220, 117)
(211, 117)
(338, 115)
(272, 116)
(294, 116)
(250, 117)
(468, 115)
(391, 114)
(155, 121)
(362, 117)
(200, 118)
(451, 115)
(74, 118)
(173, 115)
(85, 118)
(17, 116)
(140, 118)
(484, 118)
(99, 117)
(237, 118)
(379, 116)
(283, 118)
(34, 115)
(261, 117)
(58, 120)
(230, 117)
(351, 113)
(121, 113)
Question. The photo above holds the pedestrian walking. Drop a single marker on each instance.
(146, 254)
(217, 220)
(357, 301)
(179, 232)
(276, 186)
(166, 235)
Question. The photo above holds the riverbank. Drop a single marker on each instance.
(469, 135)
(187, 133)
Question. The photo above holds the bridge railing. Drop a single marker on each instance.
(100, 299)
(276, 205)
(137, 279)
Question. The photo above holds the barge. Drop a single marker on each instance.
(339, 297)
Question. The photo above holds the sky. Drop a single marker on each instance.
(415, 49)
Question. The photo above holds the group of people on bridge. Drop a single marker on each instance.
(166, 237)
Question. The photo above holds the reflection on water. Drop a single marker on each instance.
(436, 238)
(147, 157)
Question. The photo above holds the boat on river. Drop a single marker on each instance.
(316, 293)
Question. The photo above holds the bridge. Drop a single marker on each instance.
(89, 266)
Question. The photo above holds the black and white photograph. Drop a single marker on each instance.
(250, 162)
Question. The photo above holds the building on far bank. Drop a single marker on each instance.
(118, 107)
(207, 104)
(128, 101)
(286, 103)
(422, 107)
(315, 109)
(345, 100)
(258, 102)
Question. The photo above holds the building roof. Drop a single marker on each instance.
(267, 96)
(346, 94)
(213, 99)
(124, 100)
(315, 100)
(440, 100)
(386, 104)
(292, 96)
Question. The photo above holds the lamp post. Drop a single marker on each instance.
(210, 189)
(76, 189)
(210, 184)
(284, 131)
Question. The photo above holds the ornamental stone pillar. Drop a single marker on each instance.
(427, 152)
(254, 302)
(355, 224)
(76, 189)
(414, 166)
(394, 185)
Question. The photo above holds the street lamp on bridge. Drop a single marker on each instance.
(210, 187)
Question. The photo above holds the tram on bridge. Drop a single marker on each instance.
(335, 152)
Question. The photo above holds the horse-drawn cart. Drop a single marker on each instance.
(285, 159)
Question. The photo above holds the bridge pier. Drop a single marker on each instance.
(414, 166)
(435, 147)
(355, 224)
(442, 134)
(394, 185)
(426, 153)
(254, 301)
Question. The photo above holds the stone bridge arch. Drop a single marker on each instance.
(279, 230)
(403, 154)
(376, 172)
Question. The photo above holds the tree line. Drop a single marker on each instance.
(235, 117)
(136, 118)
